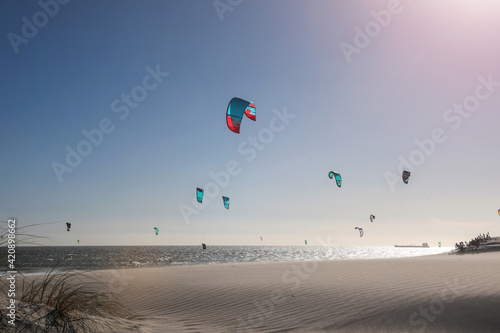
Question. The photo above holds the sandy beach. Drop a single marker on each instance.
(440, 293)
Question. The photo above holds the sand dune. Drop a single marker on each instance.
(442, 293)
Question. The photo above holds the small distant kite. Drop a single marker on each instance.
(406, 176)
(204, 246)
(372, 217)
(337, 176)
(305, 241)
(361, 233)
(68, 226)
(235, 110)
(261, 238)
(156, 230)
(199, 194)
(226, 202)
(439, 244)
(499, 212)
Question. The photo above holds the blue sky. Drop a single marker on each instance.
(344, 86)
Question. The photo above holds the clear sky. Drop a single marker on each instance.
(365, 88)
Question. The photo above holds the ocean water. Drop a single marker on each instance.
(41, 259)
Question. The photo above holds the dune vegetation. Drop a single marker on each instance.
(474, 244)
(61, 300)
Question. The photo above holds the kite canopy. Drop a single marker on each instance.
(305, 241)
(156, 231)
(361, 233)
(439, 244)
(68, 226)
(204, 246)
(226, 202)
(372, 217)
(199, 194)
(337, 176)
(235, 110)
(499, 212)
(406, 176)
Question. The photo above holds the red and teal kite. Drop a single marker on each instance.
(235, 110)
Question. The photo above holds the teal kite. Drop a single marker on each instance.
(337, 176)
(226, 202)
(199, 194)
(156, 231)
